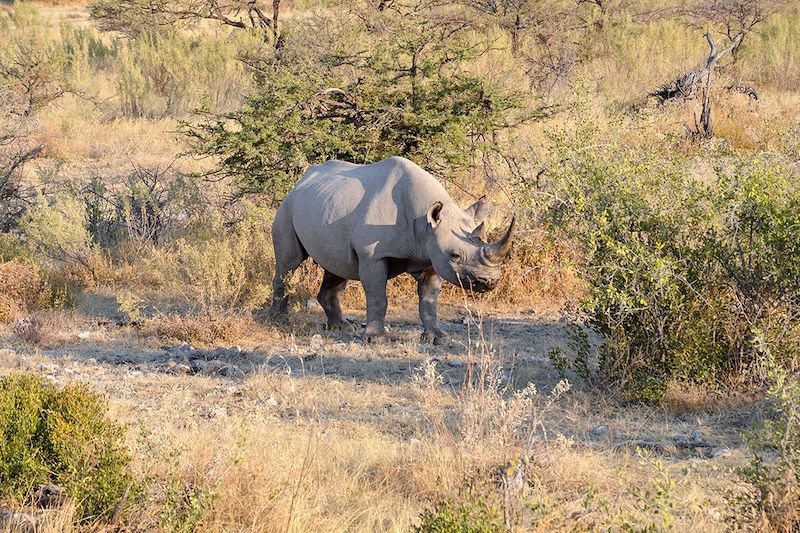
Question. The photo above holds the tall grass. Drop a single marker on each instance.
(174, 73)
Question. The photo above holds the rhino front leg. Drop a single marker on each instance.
(374, 275)
(428, 286)
(330, 291)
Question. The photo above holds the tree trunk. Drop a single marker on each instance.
(705, 116)
(713, 56)
(276, 9)
(515, 31)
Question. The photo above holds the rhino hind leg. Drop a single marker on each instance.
(328, 297)
(289, 253)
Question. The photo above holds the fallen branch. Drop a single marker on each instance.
(744, 89)
(689, 84)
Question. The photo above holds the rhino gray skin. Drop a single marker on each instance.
(374, 222)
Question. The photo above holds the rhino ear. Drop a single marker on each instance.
(435, 214)
(479, 210)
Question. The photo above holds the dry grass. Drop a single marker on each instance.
(32, 330)
(20, 287)
(60, 520)
(198, 329)
(322, 433)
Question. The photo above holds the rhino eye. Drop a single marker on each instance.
(455, 256)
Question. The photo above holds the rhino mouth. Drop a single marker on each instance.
(479, 285)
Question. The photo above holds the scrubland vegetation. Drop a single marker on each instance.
(634, 371)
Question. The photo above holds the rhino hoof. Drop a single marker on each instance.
(438, 338)
(342, 325)
(279, 316)
(375, 338)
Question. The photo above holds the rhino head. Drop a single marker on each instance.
(458, 249)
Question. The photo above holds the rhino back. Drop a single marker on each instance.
(342, 211)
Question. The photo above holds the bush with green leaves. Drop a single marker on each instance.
(770, 498)
(186, 506)
(169, 73)
(387, 83)
(31, 65)
(219, 268)
(461, 515)
(61, 436)
(57, 231)
(147, 208)
(687, 279)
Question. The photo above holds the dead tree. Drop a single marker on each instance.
(708, 74)
(700, 82)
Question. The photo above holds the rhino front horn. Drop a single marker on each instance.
(497, 251)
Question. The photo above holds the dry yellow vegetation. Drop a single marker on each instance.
(236, 424)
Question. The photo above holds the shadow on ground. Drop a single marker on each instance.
(518, 344)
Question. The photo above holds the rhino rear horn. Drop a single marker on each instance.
(479, 210)
(479, 232)
(497, 251)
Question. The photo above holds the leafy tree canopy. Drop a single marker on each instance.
(375, 83)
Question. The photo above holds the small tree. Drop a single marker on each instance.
(30, 65)
(58, 232)
(32, 75)
(389, 82)
(16, 150)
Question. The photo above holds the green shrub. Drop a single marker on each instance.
(132, 214)
(686, 279)
(464, 515)
(57, 231)
(185, 506)
(61, 437)
(218, 267)
(170, 73)
(771, 482)
(12, 247)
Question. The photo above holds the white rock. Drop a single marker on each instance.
(316, 343)
(270, 402)
(184, 348)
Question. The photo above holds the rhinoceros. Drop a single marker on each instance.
(374, 222)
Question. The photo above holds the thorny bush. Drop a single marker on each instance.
(686, 279)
